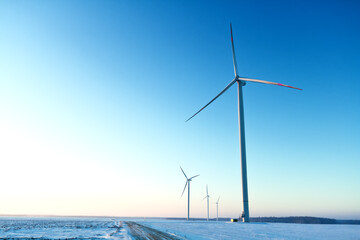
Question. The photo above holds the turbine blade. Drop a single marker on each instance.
(204, 198)
(226, 88)
(267, 82)
(207, 190)
(184, 189)
(194, 177)
(218, 200)
(184, 173)
(233, 51)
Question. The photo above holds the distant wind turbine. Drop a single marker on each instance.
(207, 196)
(217, 209)
(241, 81)
(188, 180)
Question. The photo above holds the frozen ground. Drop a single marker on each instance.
(200, 230)
(61, 228)
(117, 228)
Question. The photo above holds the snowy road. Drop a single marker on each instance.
(141, 232)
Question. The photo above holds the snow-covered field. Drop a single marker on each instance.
(117, 228)
(226, 230)
(60, 228)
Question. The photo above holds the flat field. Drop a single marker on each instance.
(125, 228)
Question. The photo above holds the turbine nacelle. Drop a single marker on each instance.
(241, 82)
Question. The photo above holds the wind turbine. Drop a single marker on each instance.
(207, 196)
(241, 81)
(188, 180)
(217, 209)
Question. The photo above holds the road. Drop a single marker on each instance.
(141, 232)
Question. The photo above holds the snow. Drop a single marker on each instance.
(58, 228)
(200, 230)
(100, 228)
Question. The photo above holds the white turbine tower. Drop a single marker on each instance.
(217, 209)
(241, 81)
(207, 196)
(188, 180)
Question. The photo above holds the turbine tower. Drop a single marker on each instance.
(241, 81)
(217, 209)
(207, 196)
(188, 180)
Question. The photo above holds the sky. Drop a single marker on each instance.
(94, 96)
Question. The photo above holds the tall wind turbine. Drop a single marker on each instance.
(207, 196)
(217, 209)
(188, 180)
(241, 81)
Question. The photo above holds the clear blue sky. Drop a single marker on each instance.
(94, 96)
